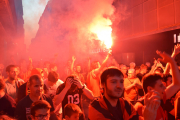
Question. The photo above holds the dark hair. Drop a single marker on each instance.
(8, 68)
(70, 108)
(34, 77)
(112, 71)
(144, 66)
(2, 84)
(53, 76)
(150, 80)
(40, 104)
(165, 77)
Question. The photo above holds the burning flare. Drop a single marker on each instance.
(102, 29)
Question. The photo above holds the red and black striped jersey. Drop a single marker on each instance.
(100, 110)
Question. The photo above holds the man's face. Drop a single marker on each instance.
(131, 74)
(160, 88)
(124, 70)
(41, 114)
(74, 116)
(144, 70)
(13, 74)
(114, 86)
(78, 69)
(36, 87)
(132, 66)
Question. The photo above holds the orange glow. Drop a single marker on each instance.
(102, 28)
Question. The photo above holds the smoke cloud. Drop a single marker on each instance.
(66, 28)
(32, 10)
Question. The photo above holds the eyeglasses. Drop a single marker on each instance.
(40, 116)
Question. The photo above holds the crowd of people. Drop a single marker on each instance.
(105, 92)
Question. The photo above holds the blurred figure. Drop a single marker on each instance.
(1, 71)
(67, 70)
(72, 112)
(167, 80)
(35, 86)
(23, 68)
(53, 67)
(46, 69)
(52, 83)
(13, 83)
(40, 110)
(5, 117)
(93, 80)
(143, 71)
(7, 103)
(132, 65)
(124, 70)
(148, 64)
(132, 84)
(77, 70)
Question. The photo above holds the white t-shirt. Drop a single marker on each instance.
(52, 93)
(52, 89)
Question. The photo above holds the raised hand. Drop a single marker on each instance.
(165, 57)
(73, 58)
(151, 105)
(30, 59)
(110, 52)
(176, 49)
(78, 82)
(69, 82)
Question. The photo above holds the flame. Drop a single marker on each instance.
(102, 29)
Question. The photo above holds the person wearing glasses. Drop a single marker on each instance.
(40, 110)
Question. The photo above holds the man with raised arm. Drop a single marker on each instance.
(111, 106)
(93, 82)
(154, 82)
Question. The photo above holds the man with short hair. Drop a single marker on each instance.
(111, 106)
(13, 83)
(72, 112)
(124, 70)
(52, 83)
(23, 90)
(7, 103)
(40, 110)
(36, 93)
(154, 82)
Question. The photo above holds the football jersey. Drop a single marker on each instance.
(72, 96)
